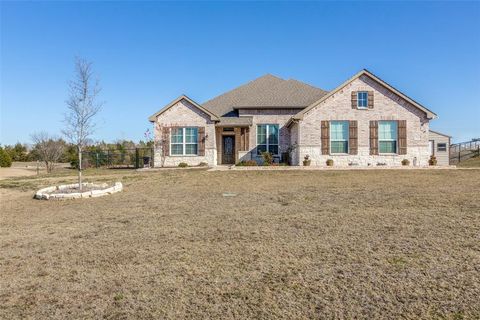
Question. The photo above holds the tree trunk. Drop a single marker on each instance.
(80, 187)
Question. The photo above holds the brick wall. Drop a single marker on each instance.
(388, 106)
(185, 114)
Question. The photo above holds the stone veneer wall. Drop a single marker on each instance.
(387, 106)
(269, 116)
(294, 154)
(184, 114)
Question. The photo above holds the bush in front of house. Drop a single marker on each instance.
(329, 162)
(183, 164)
(203, 164)
(247, 163)
(432, 161)
(405, 162)
(5, 159)
(267, 158)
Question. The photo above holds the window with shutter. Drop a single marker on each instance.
(184, 141)
(339, 131)
(387, 136)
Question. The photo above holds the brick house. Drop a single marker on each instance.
(364, 122)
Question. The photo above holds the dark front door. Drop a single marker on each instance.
(228, 154)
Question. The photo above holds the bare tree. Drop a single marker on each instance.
(82, 107)
(49, 148)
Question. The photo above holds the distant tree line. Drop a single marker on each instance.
(53, 150)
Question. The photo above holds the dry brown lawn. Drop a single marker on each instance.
(378, 244)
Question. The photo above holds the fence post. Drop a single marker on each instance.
(137, 158)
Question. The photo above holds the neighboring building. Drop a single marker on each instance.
(364, 122)
(439, 146)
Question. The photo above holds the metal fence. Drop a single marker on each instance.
(118, 158)
(464, 150)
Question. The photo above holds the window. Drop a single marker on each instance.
(267, 138)
(184, 141)
(362, 99)
(387, 136)
(441, 147)
(339, 136)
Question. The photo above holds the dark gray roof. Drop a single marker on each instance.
(266, 91)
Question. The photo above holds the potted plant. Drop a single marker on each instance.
(405, 162)
(329, 162)
(432, 161)
(307, 161)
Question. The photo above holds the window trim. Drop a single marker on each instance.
(346, 140)
(358, 99)
(267, 140)
(183, 143)
(438, 147)
(396, 138)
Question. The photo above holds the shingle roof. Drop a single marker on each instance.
(266, 91)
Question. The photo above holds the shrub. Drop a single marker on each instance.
(267, 158)
(248, 163)
(405, 162)
(203, 164)
(329, 162)
(5, 159)
(432, 161)
(183, 164)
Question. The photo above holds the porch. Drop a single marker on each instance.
(232, 143)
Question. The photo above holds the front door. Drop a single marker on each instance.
(228, 153)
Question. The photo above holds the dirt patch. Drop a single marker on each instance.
(378, 244)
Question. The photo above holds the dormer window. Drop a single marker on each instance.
(362, 99)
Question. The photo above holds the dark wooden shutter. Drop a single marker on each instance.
(353, 137)
(370, 99)
(325, 137)
(165, 140)
(374, 137)
(201, 141)
(402, 136)
(354, 99)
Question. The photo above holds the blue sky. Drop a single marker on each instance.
(148, 53)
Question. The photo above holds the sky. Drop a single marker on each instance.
(146, 54)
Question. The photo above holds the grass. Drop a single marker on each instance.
(470, 163)
(376, 244)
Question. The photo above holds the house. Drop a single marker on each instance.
(439, 146)
(362, 122)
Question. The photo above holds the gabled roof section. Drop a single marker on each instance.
(430, 114)
(154, 116)
(439, 133)
(267, 91)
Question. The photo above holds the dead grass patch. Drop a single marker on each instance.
(290, 245)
